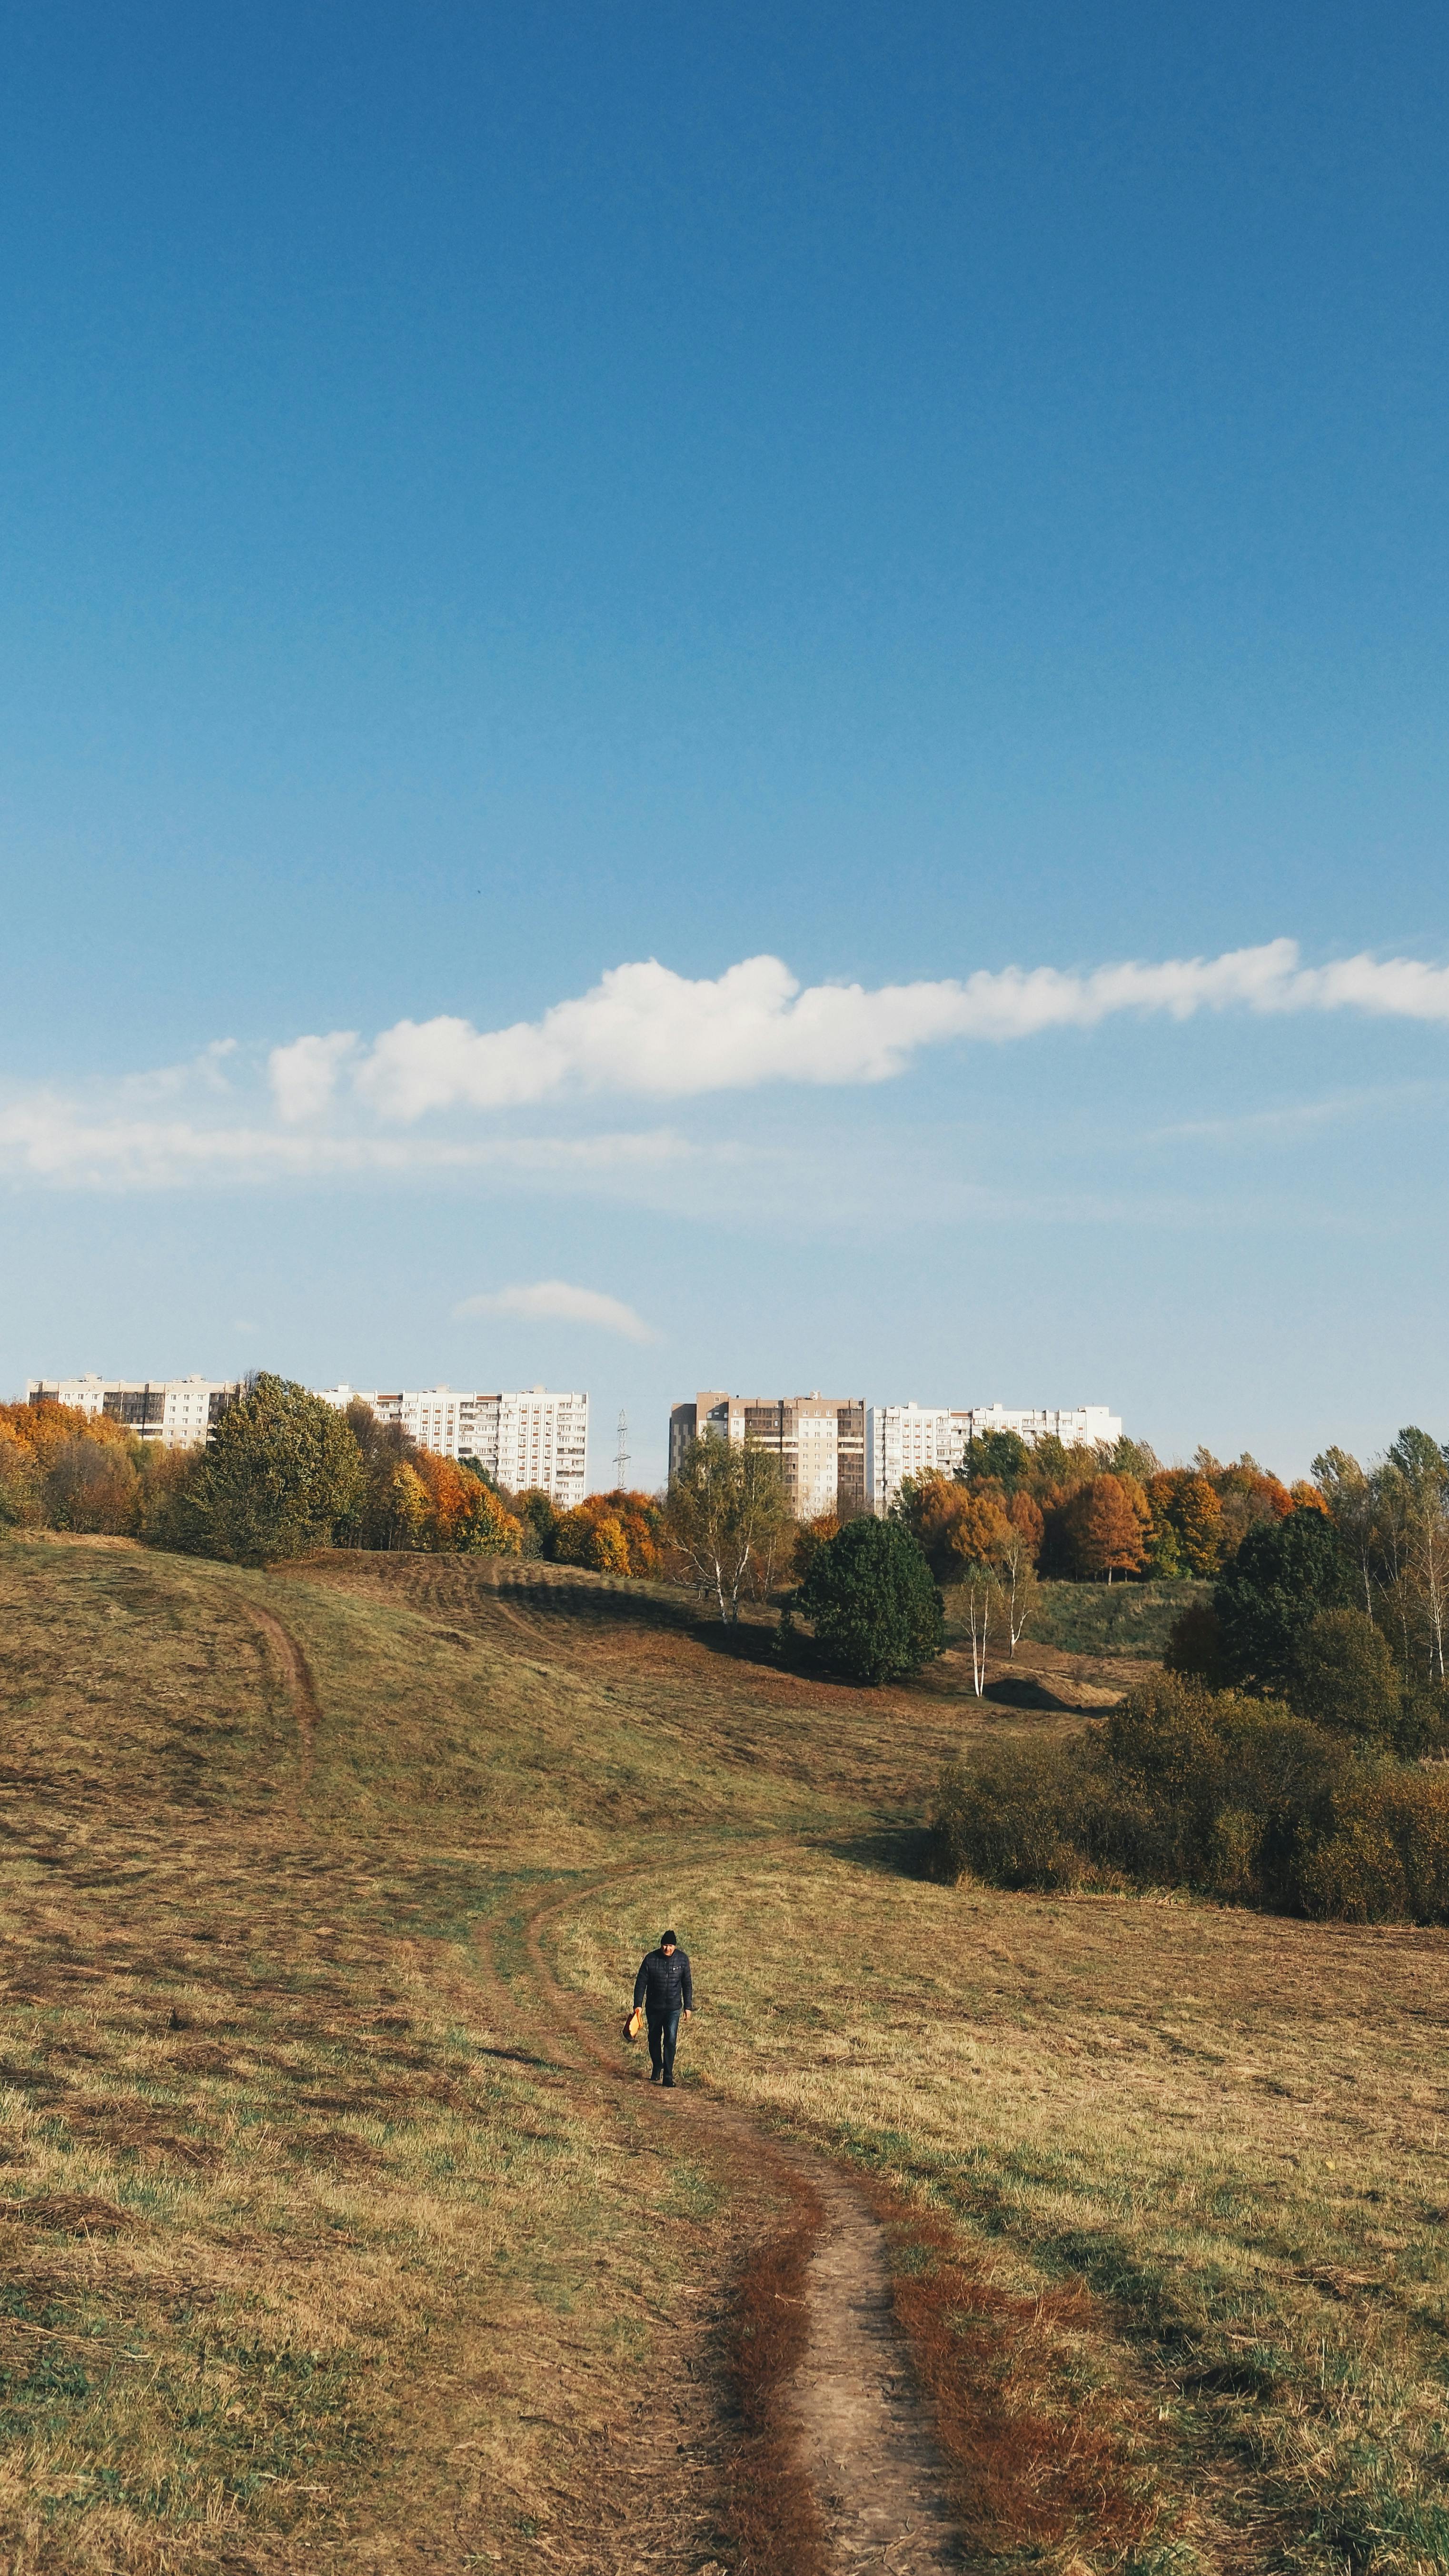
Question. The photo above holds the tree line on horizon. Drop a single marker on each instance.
(284, 1473)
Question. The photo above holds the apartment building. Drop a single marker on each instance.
(819, 1440)
(532, 1436)
(178, 1412)
(910, 1440)
(916, 1439)
(1076, 1426)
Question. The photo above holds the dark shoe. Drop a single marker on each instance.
(656, 2079)
(669, 2080)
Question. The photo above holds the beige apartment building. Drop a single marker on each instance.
(178, 1412)
(818, 1439)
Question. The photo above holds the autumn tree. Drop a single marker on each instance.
(1017, 1565)
(1247, 1494)
(1111, 1540)
(726, 1511)
(485, 1526)
(614, 1533)
(89, 1485)
(592, 1539)
(71, 1469)
(1198, 1519)
(972, 1531)
(20, 1498)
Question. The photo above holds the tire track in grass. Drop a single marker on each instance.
(297, 1676)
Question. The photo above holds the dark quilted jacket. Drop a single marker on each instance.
(664, 1986)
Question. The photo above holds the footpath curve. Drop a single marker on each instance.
(861, 2431)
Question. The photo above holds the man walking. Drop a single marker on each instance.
(665, 1988)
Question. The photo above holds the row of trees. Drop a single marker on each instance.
(1096, 1514)
(1292, 1754)
(1375, 1553)
(282, 1473)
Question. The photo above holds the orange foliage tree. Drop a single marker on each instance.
(1110, 1537)
(74, 1470)
(617, 1533)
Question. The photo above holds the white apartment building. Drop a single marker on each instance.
(179, 1412)
(1076, 1426)
(909, 1440)
(530, 1437)
(917, 1439)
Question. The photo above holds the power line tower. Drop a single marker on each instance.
(621, 1454)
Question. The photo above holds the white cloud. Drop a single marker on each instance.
(71, 1144)
(303, 1075)
(554, 1301)
(644, 1029)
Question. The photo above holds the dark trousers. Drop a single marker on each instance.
(663, 2040)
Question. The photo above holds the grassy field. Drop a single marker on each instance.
(322, 2251)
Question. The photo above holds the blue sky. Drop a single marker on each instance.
(491, 497)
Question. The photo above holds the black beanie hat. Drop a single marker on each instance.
(667, 1941)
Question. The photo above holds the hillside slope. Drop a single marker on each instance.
(333, 2240)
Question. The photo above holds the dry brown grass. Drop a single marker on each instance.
(774, 2516)
(1039, 2461)
(322, 2253)
(313, 2249)
(1226, 2133)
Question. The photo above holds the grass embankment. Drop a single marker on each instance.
(315, 2249)
(1115, 1619)
(1170, 2187)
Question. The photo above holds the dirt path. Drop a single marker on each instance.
(866, 2437)
(864, 2433)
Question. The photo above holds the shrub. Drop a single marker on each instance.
(1033, 1816)
(870, 1597)
(1179, 1786)
(1385, 1855)
(1344, 1675)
